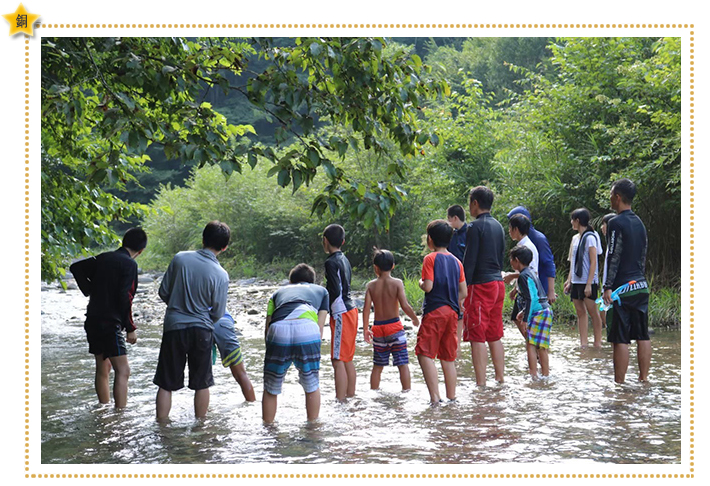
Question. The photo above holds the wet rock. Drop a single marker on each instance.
(359, 303)
(144, 279)
(284, 282)
(71, 286)
(246, 281)
(252, 312)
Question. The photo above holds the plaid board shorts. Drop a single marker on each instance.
(539, 328)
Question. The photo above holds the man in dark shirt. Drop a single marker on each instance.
(110, 281)
(625, 264)
(456, 217)
(483, 266)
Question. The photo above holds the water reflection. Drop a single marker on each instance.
(577, 415)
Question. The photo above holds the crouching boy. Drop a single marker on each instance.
(535, 317)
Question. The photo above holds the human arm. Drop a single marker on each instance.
(470, 256)
(509, 277)
(613, 255)
(404, 304)
(463, 293)
(166, 286)
(426, 283)
(551, 295)
(592, 270)
(322, 316)
(83, 271)
(333, 285)
(126, 292)
(366, 333)
(268, 323)
(219, 299)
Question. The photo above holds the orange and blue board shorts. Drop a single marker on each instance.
(343, 331)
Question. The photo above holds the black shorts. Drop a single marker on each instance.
(192, 346)
(105, 338)
(629, 320)
(578, 292)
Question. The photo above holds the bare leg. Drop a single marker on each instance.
(312, 405)
(375, 377)
(120, 380)
(544, 361)
(163, 402)
(602, 314)
(405, 377)
(596, 321)
(202, 401)
(498, 358)
(268, 406)
(431, 377)
(582, 321)
(352, 378)
(449, 369)
(620, 353)
(644, 358)
(341, 379)
(239, 373)
(479, 357)
(532, 360)
(103, 368)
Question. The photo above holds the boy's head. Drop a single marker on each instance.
(456, 216)
(520, 257)
(333, 237)
(216, 236)
(580, 217)
(518, 227)
(383, 260)
(623, 192)
(135, 240)
(480, 200)
(302, 273)
(605, 221)
(439, 233)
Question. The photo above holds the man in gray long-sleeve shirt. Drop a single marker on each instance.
(195, 289)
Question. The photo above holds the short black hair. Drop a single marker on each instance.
(302, 273)
(456, 210)
(624, 188)
(335, 234)
(483, 195)
(216, 235)
(521, 223)
(135, 239)
(521, 253)
(440, 232)
(582, 215)
(607, 218)
(384, 259)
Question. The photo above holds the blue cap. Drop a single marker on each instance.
(520, 210)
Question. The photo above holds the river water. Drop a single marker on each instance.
(579, 414)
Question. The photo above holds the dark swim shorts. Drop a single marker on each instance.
(628, 320)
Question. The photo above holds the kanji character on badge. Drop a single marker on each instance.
(21, 21)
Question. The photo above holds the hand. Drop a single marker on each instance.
(588, 290)
(415, 322)
(519, 317)
(368, 336)
(131, 337)
(552, 296)
(568, 287)
(513, 292)
(607, 296)
(509, 277)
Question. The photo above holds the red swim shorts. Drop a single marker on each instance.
(437, 334)
(483, 312)
(343, 329)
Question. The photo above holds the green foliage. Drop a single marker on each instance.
(415, 295)
(105, 101)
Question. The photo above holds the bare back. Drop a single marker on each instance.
(385, 294)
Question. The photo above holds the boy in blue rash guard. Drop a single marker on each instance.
(295, 318)
(546, 266)
(535, 317)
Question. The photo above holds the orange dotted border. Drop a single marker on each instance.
(364, 26)
(369, 476)
(692, 252)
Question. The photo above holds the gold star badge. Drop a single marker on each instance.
(21, 21)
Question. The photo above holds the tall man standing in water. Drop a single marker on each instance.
(625, 263)
(195, 289)
(483, 266)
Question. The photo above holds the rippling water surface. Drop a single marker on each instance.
(578, 414)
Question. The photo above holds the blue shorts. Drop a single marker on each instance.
(394, 343)
(225, 338)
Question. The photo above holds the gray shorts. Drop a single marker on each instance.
(225, 338)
